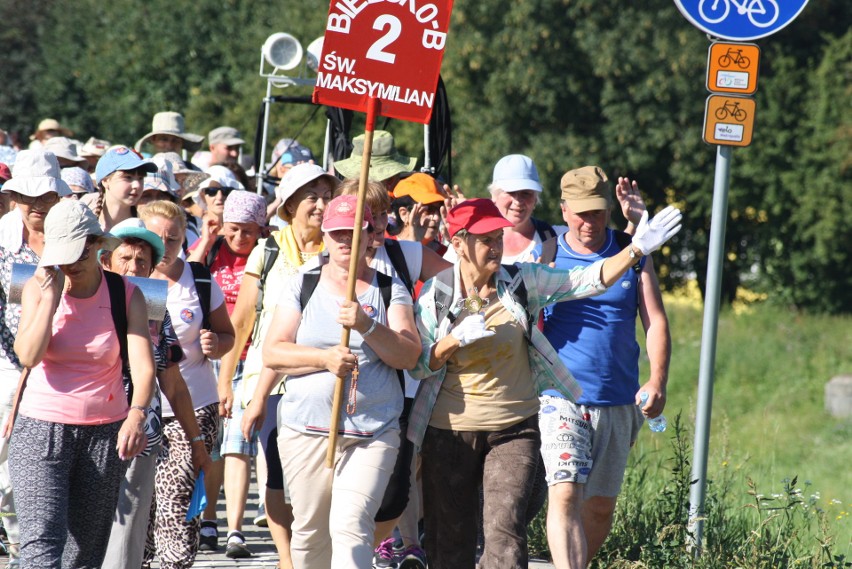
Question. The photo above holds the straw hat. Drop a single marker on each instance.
(51, 124)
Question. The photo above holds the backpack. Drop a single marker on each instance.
(444, 286)
(203, 286)
(311, 278)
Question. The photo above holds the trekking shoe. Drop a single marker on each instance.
(260, 519)
(383, 557)
(237, 548)
(413, 558)
(209, 538)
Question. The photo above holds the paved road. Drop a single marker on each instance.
(259, 542)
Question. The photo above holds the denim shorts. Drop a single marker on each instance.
(232, 440)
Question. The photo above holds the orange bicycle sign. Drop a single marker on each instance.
(729, 120)
(732, 67)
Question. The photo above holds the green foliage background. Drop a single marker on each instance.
(618, 83)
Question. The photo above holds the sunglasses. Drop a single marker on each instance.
(43, 200)
(211, 192)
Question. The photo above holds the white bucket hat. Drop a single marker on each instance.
(171, 123)
(298, 176)
(36, 173)
(66, 227)
(64, 148)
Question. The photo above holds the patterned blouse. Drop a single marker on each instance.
(10, 314)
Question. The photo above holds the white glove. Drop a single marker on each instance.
(471, 329)
(650, 235)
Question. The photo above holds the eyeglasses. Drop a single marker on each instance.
(44, 200)
(211, 192)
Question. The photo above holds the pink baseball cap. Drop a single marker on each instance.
(340, 214)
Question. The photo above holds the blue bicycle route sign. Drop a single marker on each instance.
(740, 20)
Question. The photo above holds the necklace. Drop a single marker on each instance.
(473, 303)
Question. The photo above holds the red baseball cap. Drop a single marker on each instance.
(5, 173)
(478, 216)
(340, 214)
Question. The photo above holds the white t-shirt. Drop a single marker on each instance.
(185, 309)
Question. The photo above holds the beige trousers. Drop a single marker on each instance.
(333, 508)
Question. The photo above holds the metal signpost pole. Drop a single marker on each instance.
(732, 72)
(712, 297)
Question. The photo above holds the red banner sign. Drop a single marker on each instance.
(387, 49)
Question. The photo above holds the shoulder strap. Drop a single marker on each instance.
(397, 259)
(214, 250)
(118, 308)
(444, 295)
(545, 230)
(517, 286)
(309, 284)
(385, 285)
(623, 240)
(518, 290)
(311, 279)
(548, 250)
(270, 255)
(203, 286)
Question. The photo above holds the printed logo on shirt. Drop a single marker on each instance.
(548, 409)
(187, 316)
(626, 284)
(370, 310)
(561, 474)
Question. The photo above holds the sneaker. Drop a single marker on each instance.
(260, 519)
(209, 538)
(383, 557)
(237, 548)
(413, 558)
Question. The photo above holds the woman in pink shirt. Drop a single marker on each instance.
(75, 430)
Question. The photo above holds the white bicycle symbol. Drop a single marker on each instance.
(755, 10)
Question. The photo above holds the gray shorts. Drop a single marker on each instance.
(587, 445)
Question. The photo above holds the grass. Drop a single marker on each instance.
(779, 476)
(768, 414)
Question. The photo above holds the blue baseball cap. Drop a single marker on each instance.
(121, 158)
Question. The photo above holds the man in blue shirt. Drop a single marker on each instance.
(585, 445)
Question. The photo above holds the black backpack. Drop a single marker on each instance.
(311, 278)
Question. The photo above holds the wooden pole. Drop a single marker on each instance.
(337, 402)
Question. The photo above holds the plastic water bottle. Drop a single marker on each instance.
(658, 424)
